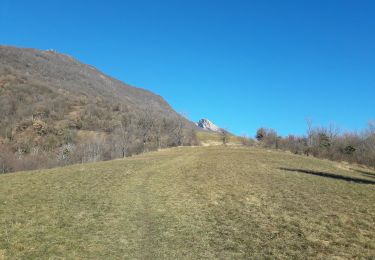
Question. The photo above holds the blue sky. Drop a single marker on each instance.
(242, 64)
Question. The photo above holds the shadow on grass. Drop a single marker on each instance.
(364, 173)
(330, 175)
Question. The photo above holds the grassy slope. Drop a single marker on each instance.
(202, 202)
(211, 138)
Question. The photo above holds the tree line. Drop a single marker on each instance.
(44, 128)
(131, 136)
(325, 142)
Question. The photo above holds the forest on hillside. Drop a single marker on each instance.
(43, 128)
(55, 110)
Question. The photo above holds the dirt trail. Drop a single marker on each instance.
(147, 220)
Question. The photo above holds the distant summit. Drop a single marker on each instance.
(208, 125)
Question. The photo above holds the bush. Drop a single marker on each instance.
(246, 141)
(268, 138)
(326, 142)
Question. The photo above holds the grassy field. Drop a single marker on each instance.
(191, 203)
(208, 138)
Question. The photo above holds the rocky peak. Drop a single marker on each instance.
(208, 125)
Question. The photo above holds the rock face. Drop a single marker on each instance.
(208, 125)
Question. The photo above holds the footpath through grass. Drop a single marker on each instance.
(191, 203)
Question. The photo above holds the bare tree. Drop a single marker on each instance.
(261, 133)
(174, 130)
(309, 123)
(178, 132)
(145, 126)
(123, 134)
(246, 141)
(267, 137)
(224, 136)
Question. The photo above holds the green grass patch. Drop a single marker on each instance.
(191, 203)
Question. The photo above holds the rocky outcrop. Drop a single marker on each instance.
(208, 125)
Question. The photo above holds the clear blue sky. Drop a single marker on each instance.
(242, 64)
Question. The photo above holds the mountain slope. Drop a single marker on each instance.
(191, 203)
(64, 72)
(55, 110)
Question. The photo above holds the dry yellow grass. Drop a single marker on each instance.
(191, 203)
(211, 138)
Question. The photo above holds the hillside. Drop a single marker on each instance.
(191, 203)
(56, 110)
(63, 72)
